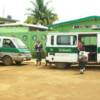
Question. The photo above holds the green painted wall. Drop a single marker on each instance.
(13, 29)
(29, 38)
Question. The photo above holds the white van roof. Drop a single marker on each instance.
(71, 33)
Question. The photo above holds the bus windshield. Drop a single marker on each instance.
(19, 43)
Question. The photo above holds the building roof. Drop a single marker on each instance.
(75, 21)
(26, 25)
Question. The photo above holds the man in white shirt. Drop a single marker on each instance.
(83, 59)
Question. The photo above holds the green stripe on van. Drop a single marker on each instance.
(98, 50)
(23, 50)
(14, 50)
(62, 49)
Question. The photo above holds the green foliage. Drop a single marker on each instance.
(41, 14)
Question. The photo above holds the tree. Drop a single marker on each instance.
(41, 14)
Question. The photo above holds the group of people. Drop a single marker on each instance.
(81, 54)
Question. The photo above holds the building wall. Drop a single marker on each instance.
(29, 38)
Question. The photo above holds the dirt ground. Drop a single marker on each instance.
(30, 82)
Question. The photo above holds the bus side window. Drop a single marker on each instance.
(8, 43)
(63, 40)
(52, 40)
(74, 40)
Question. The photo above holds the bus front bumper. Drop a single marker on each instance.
(23, 57)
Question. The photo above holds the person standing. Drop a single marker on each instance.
(82, 55)
(80, 45)
(83, 59)
(38, 50)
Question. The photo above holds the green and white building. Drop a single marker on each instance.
(30, 33)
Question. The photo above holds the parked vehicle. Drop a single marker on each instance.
(13, 50)
(62, 47)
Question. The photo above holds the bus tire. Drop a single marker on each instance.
(7, 60)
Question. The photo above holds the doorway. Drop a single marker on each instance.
(90, 45)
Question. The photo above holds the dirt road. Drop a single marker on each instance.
(29, 82)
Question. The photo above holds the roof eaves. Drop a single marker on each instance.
(24, 24)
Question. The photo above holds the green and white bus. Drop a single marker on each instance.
(62, 47)
(13, 50)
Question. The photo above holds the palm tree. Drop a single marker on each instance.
(41, 14)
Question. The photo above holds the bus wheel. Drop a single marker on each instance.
(61, 65)
(7, 60)
(18, 62)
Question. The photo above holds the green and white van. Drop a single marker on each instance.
(13, 50)
(62, 47)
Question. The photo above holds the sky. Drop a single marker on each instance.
(66, 9)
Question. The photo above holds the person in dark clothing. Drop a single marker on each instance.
(38, 49)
